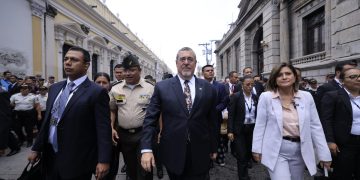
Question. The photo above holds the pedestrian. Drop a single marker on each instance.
(129, 100)
(189, 138)
(5, 81)
(103, 80)
(5, 119)
(341, 118)
(119, 73)
(209, 75)
(26, 111)
(75, 139)
(288, 133)
(241, 123)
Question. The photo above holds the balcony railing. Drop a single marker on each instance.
(309, 58)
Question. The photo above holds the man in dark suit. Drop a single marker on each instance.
(75, 139)
(340, 116)
(189, 136)
(334, 84)
(208, 73)
(258, 87)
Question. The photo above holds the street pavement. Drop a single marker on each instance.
(12, 167)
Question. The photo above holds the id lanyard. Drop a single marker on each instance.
(249, 108)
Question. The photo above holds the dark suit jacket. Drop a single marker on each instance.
(330, 86)
(169, 100)
(336, 116)
(84, 131)
(220, 103)
(5, 118)
(237, 112)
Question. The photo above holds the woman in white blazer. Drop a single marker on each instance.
(288, 131)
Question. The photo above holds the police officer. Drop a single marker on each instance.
(129, 99)
(25, 109)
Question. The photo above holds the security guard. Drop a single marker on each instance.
(129, 99)
(25, 108)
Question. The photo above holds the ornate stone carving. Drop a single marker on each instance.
(106, 40)
(13, 61)
(51, 11)
(37, 9)
(119, 48)
(85, 29)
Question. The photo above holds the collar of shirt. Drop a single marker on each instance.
(338, 81)
(140, 83)
(77, 81)
(191, 81)
(275, 94)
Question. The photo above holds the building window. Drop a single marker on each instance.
(315, 32)
(237, 55)
(112, 70)
(222, 65)
(228, 55)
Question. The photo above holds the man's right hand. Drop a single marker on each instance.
(334, 149)
(147, 161)
(114, 136)
(231, 136)
(33, 157)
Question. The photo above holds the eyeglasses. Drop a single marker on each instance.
(189, 59)
(354, 76)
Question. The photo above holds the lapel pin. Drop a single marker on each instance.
(200, 89)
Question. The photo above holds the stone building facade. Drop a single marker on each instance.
(313, 35)
(37, 34)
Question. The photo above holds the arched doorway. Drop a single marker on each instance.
(258, 53)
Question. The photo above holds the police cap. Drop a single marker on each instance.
(130, 61)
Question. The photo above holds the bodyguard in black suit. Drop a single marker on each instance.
(241, 123)
(78, 143)
(340, 115)
(188, 138)
(334, 84)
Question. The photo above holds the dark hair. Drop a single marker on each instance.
(85, 53)
(232, 73)
(272, 86)
(118, 66)
(208, 65)
(246, 77)
(14, 76)
(247, 68)
(185, 49)
(99, 74)
(148, 77)
(342, 74)
(340, 66)
(167, 76)
(6, 72)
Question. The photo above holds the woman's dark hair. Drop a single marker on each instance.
(272, 86)
(106, 75)
(342, 74)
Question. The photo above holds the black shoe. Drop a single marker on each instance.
(160, 173)
(29, 144)
(13, 152)
(123, 169)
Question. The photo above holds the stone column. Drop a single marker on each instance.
(328, 29)
(50, 63)
(284, 32)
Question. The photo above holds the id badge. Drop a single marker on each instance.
(120, 99)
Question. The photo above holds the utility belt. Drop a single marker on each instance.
(132, 130)
(292, 139)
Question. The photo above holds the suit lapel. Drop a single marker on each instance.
(276, 105)
(346, 99)
(199, 86)
(300, 108)
(227, 87)
(77, 94)
(179, 93)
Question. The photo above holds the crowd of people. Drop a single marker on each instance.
(184, 123)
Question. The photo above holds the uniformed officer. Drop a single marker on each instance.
(130, 99)
(41, 98)
(25, 109)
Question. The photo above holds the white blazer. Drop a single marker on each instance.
(268, 130)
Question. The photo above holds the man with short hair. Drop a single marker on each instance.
(129, 100)
(119, 72)
(208, 73)
(51, 81)
(75, 139)
(188, 108)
